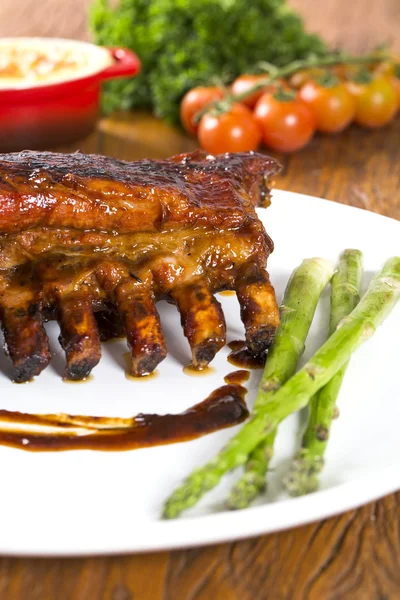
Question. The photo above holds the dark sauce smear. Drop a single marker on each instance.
(224, 407)
(242, 357)
(237, 377)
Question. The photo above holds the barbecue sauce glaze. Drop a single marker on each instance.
(241, 356)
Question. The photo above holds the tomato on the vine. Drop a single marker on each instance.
(233, 131)
(287, 122)
(244, 83)
(333, 106)
(376, 101)
(395, 81)
(194, 101)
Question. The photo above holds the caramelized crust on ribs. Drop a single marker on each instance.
(95, 242)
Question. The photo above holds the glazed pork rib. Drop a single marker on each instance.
(95, 242)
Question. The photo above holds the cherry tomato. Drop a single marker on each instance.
(376, 102)
(244, 82)
(194, 101)
(287, 125)
(232, 131)
(395, 81)
(333, 106)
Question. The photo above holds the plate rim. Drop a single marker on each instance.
(206, 522)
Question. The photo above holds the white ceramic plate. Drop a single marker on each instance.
(85, 502)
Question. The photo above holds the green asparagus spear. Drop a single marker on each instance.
(358, 327)
(297, 311)
(303, 476)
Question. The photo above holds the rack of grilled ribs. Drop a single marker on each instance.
(95, 242)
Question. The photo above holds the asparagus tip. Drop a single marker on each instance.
(191, 490)
(303, 476)
(175, 504)
(353, 252)
(245, 490)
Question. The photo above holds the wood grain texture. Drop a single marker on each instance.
(354, 556)
(49, 18)
(354, 24)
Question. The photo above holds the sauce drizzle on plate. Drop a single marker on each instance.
(193, 372)
(237, 377)
(224, 407)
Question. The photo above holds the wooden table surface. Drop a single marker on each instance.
(353, 556)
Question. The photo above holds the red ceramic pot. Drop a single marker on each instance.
(64, 107)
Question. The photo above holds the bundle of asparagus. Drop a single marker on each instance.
(297, 312)
(303, 476)
(276, 401)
